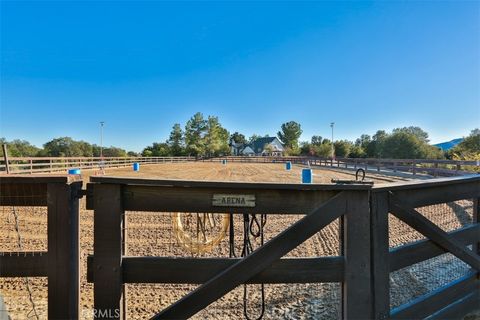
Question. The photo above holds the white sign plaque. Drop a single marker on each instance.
(233, 200)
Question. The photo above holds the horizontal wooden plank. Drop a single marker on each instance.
(428, 304)
(23, 264)
(430, 230)
(23, 194)
(422, 250)
(40, 178)
(425, 184)
(458, 309)
(223, 184)
(200, 270)
(439, 193)
(199, 199)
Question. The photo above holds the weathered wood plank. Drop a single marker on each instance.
(357, 286)
(441, 191)
(256, 262)
(415, 220)
(458, 309)
(422, 250)
(23, 194)
(63, 251)
(222, 184)
(428, 304)
(23, 264)
(380, 254)
(166, 199)
(108, 251)
(200, 270)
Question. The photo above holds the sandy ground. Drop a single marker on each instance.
(150, 234)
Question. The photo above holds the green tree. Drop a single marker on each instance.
(195, 131)
(375, 147)
(176, 141)
(407, 145)
(342, 148)
(19, 148)
(216, 138)
(238, 138)
(323, 151)
(161, 149)
(469, 148)
(289, 134)
(114, 152)
(253, 138)
(416, 131)
(316, 140)
(63, 147)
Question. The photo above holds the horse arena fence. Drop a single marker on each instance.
(435, 168)
(393, 251)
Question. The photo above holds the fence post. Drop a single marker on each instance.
(357, 284)
(63, 250)
(380, 255)
(108, 285)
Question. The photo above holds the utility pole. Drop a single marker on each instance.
(332, 124)
(101, 139)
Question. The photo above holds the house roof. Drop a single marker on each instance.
(258, 145)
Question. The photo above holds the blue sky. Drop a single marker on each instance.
(142, 66)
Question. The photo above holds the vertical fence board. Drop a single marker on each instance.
(357, 289)
(63, 251)
(107, 245)
(380, 255)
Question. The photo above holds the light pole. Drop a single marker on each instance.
(332, 124)
(101, 139)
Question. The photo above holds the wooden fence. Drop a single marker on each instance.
(60, 263)
(363, 269)
(21, 165)
(413, 166)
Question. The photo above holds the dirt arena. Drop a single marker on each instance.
(150, 234)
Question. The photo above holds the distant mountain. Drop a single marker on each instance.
(449, 144)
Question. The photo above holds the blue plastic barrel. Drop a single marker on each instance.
(288, 165)
(74, 171)
(136, 166)
(224, 161)
(307, 176)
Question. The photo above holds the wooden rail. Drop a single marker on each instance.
(454, 299)
(61, 262)
(413, 166)
(22, 165)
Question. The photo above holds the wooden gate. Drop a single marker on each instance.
(321, 204)
(61, 262)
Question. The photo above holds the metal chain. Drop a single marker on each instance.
(26, 279)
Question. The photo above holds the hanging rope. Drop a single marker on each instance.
(251, 227)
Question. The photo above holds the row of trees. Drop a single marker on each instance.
(406, 142)
(207, 137)
(61, 147)
(201, 137)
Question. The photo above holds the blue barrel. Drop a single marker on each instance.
(136, 166)
(74, 171)
(307, 176)
(224, 161)
(288, 165)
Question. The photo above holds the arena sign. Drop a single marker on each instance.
(233, 200)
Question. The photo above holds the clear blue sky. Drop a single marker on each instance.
(142, 66)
